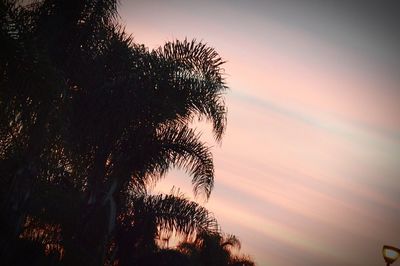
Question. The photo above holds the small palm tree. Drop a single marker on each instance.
(152, 217)
(214, 249)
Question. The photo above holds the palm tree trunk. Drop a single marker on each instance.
(92, 236)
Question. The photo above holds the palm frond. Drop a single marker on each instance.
(178, 214)
(179, 146)
(195, 69)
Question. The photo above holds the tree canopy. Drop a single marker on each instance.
(88, 120)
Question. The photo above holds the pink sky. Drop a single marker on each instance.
(308, 171)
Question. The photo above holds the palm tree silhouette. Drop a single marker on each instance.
(87, 112)
(154, 216)
(214, 248)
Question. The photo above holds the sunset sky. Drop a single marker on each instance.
(308, 172)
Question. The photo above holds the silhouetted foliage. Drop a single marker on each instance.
(213, 248)
(88, 120)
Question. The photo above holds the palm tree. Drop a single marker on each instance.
(140, 138)
(154, 217)
(135, 118)
(86, 109)
(214, 249)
